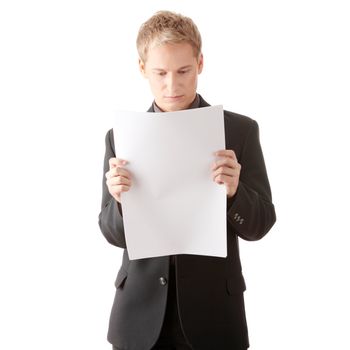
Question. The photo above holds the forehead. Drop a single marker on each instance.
(171, 54)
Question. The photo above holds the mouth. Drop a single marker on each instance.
(173, 98)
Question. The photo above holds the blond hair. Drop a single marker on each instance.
(168, 27)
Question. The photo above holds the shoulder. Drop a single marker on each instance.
(234, 120)
(109, 136)
(239, 122)
(109, 139)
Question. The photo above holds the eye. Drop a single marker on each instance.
(183, 71)
(161, 73)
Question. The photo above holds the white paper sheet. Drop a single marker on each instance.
(173, 205)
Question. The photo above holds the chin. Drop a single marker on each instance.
(173, 107)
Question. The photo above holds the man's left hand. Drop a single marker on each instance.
(226, 170)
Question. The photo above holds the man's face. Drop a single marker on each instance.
(172, 71)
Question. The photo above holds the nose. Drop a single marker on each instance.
(172, 83)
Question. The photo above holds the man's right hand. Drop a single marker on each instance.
(118, 178)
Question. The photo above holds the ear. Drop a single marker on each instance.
(200, 64)
(142, 67)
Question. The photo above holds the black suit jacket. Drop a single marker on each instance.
(209, 289)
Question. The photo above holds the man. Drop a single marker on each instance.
(186, 301)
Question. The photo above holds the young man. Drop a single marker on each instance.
(186, 301)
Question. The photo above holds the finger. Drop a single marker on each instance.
(225, 171)
(228, 162)
(226, 153)
(232, 172)
(224, 179)
(119, 171)
(114, 162)
(119, 180)
(117, 190)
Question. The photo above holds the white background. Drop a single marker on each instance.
(66, 65)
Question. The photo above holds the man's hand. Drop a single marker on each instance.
(118, 178)
(226, 171)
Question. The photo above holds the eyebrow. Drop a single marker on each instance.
(160, 69)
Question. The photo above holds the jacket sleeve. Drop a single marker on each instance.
(250, 212)
(111, 216)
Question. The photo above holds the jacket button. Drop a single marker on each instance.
(163, 281)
